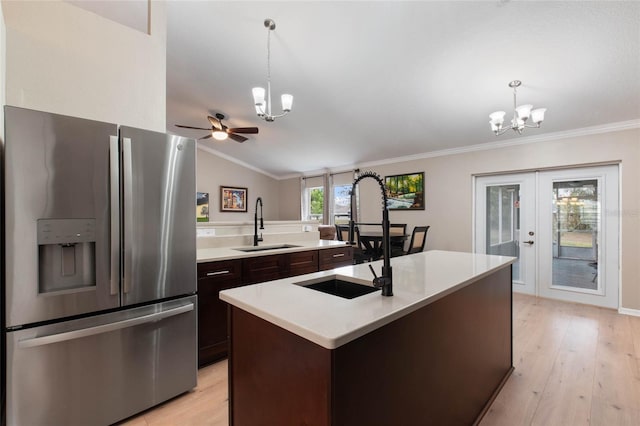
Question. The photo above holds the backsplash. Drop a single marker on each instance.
(232, 234)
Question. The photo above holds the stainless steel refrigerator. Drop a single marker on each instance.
(99, 269)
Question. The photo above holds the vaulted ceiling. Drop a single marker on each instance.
(379, 80)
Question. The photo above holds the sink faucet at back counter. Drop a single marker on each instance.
(386, 280)
(257, 239)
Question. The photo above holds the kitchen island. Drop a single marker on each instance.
(437, 352)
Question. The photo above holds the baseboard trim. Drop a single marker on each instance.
(627, 311)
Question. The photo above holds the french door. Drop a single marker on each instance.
(565, 228)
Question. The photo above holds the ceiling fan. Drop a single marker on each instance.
(221, 132)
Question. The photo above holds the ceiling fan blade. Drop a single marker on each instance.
(243, 130)
(215, 122)
(205, 137)
(189, 127)
(237, 138)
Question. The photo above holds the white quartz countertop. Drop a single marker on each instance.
(227, 253)
(331, 321)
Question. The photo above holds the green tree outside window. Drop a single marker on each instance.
(317, 201)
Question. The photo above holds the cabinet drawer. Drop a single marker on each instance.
(263, 268)
(224, 270)
(303, 262)
(335, 257)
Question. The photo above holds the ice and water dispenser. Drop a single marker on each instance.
(66, 254)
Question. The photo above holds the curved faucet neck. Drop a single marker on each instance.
(386, 279)
(257, 239)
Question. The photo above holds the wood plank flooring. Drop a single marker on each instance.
(574, 365)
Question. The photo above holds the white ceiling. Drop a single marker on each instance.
(379, 80)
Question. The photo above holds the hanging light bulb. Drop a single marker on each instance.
(262, 98)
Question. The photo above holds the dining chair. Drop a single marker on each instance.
(359, 255)
(418, 239)
(397, 247)
(342, 232)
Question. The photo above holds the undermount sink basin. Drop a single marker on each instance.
(341, 288)
(262, 248)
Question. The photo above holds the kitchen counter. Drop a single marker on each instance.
(436, 352)
(227, 253)
(418, 280)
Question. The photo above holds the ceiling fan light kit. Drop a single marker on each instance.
(221, 132)
(219, 135)
(521, 114)
(262, 97)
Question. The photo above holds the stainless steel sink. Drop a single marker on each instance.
(263, 248)
(341, 288)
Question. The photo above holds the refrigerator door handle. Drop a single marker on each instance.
(104, 328)
(128, 213)
(114, 160)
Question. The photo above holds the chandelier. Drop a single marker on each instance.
(521, 114)
(263, 106)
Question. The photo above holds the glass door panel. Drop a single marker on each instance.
(505, 223)
(503, 219)
(578, 246)
(574, 232)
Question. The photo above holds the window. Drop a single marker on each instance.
(316, 203)
(341, 204)
(328, 206)
(313, 202)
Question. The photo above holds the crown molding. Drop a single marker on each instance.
(493, 144)
(585, 131)
(236, 161)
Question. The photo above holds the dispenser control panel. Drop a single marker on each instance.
(66, 231)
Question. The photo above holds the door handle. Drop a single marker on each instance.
(211, 274)
(114, 158)
(530, 242)
(127, 262)
(104, 328)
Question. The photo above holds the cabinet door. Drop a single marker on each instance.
(264, 268)
(212, 312)
(303, 262)
(335, 258)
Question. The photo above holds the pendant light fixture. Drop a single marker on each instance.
(262, 103)
(520, 115)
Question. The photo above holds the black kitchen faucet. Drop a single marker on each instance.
(386, 280)
(257, 239)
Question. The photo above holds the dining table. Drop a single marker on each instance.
(372, 241)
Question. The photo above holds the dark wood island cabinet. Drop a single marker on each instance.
(437, 354)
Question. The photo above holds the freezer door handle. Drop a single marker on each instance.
(114, 160)
(104, 328)
(128, 213)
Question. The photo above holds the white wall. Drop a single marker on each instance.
(63, 59)
(290, 199)
(448, 191)
(214, 171)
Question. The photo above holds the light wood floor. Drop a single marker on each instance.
(574, 365)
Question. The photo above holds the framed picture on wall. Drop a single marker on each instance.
(405, 192)
(202, 207)
(233, 199)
